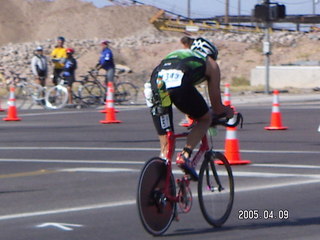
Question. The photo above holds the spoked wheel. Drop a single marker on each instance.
(22, 96)
(215, 189)
(126, 93)
(91, 94)
(56, 97)
(36, 92)
(155, 210)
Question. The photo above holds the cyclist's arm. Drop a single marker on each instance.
(213, 76)
(34, 66)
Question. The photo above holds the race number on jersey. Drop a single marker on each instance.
(172, 77)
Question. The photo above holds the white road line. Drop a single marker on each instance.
(121, 162)
(139, 149)
(275, 165)
(264, 174)
(102, 170)
(72, 161)
(68, 210)
(132, 202)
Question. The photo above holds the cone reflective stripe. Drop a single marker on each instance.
(105, 109)
(110, 111)
(12, 110)
(232, 146)
(227, 96)
(276, 119)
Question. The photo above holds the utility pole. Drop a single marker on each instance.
(267, 49)
(239, 11)
(226, 17)
(189, 9)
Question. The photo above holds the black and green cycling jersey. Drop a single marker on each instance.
(189, 62)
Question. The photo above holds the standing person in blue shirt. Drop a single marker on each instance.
(106, 62)
(70, 66)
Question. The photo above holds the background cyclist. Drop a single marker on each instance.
(39, 66)
(70, 66)
(106, 62)
(58, 56)
(180, 71)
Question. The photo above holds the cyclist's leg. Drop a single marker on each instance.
(163, 122)
(189, 101)
(110, 75)
(56, 75)
(69, 82)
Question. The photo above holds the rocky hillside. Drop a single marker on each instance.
(136, 43)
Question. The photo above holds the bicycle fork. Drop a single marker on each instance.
(214, 172)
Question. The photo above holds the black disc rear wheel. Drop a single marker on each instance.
(155, 210)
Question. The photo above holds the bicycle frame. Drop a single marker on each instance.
(171, 138)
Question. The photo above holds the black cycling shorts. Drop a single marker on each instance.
(187, 99)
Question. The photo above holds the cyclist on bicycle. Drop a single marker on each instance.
(178, 73)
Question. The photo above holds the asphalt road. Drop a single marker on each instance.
(66, 176)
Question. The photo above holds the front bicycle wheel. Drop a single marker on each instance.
(56, 97)
(155, 210)
(215, 188)
(126, 93)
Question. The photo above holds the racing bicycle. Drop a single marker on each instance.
(159, 194)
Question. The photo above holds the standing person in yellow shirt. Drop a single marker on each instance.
(58, 57)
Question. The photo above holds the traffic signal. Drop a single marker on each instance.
(269, 12)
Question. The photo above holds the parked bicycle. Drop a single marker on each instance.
(158, 193)
(56, 97)
(27, 93)
(93, 92)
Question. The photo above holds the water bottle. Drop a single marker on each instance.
(164, 94)
(148, 94)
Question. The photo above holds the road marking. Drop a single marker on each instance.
(103, 170)
(121, 162)
(72, 161)
(26, 174)
(262, 174)
(132, 202)
(68, 210)
(62, 226)
(275, 165)
(139, 149)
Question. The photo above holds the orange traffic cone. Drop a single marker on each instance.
(12, 110)
(106, 105)
(227, 95)
(110, 111)
(232, 146)
(275, 120)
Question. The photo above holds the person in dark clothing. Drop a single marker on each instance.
(106, 62)
(70, 66)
